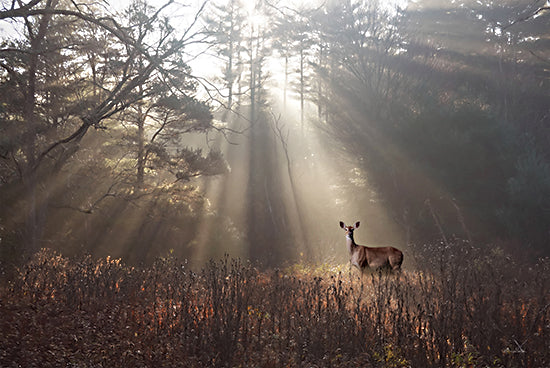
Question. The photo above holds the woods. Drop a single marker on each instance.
(172, 177)
(94, 108)
(444, 108)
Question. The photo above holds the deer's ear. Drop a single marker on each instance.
(342, 224)
(357, 224)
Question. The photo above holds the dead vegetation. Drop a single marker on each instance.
(472, 309)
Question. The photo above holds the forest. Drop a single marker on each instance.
(426, 120)
(172, 176)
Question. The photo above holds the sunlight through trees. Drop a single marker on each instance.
(196, 129)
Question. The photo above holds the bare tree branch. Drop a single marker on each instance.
(528, 16)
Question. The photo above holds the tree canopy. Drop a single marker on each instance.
(442, 109)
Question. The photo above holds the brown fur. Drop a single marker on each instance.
(375, 258)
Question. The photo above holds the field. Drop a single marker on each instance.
(465, 308)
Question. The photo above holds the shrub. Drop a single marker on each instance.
(467, 308)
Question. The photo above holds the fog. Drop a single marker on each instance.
(250, 129)
(288, 208)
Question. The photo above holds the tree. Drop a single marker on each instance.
(77, 68)
(226, 25)
(157, 141)
(294, 38)
(301, 42)
(257, 49)
(435, 115)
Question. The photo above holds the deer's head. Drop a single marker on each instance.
(349, 229)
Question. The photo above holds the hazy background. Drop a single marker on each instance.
(142, 130)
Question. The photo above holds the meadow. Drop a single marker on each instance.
(464, 307)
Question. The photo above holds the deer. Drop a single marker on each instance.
(374, 258)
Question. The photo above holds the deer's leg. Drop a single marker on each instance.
(396, 261)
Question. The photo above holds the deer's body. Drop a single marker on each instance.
(375, 258)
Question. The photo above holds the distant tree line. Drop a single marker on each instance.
(449, 110)
(445, 108)
(93, 107)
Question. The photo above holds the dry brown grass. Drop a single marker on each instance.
(488, 312)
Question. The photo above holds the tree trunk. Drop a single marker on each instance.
(230, 77)
(302, 89)
(252, 79)
(141, 150)
(286, 82)
(29, 175)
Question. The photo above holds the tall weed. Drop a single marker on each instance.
(462, 307)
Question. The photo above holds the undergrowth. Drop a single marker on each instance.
(463, 308)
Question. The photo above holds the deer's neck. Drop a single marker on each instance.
(350, 243)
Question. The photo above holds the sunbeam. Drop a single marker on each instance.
(181, 182)
(253, 127)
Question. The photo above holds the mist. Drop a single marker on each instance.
(252, 129)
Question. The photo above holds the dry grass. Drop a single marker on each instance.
(487, 312)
